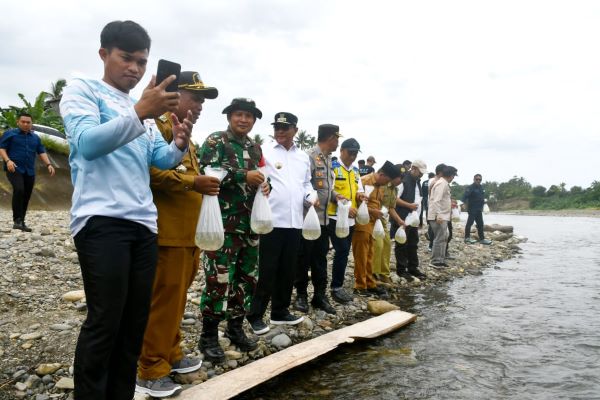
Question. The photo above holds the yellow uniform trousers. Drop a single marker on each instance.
(382, 252)
(175, 272)
(362, 249)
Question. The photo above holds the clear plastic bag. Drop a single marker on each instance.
(342, 225)
(311, 228)
(455, 214)
(362, 214)
(412, 219)
(378, 231)
(261, 218)
(486, 209)
(210, 234)
(400, 235)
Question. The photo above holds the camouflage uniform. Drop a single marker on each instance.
(231, 272)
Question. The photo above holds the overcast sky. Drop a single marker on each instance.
(501, 88)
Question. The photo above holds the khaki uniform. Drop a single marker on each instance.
(178, 259)
(362, 240)
(383, 247)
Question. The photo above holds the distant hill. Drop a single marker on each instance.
(48, 193)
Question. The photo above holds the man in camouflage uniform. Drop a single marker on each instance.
(231, 271)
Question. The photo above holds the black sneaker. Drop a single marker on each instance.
(161, 387)
(259, 327)
(323, 304)
(340, 295)
(378, 291)
(417, 273)
(287, 319)
(363, 293)
(301, 304)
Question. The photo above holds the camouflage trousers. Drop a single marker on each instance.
(231, 274)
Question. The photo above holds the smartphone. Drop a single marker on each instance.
(166, 69)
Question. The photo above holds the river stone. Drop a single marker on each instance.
(42, 396)
(281, 341)
(60, 327)
(233, 355)
(45, 369)
(189, 321)
(378, 307)
(35, 326)
(27, 345)
(74, 295)
(65, 383)
(31, 336)
(20, 386)
(307, 324)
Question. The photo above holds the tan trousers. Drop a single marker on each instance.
(175, 272)
(382, 253)
(362, 249)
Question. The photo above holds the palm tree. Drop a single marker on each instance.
(258, 139)
(56, 90)
(305, 140)
(55, 94)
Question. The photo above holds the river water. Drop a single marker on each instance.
(528, 328)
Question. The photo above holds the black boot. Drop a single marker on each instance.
(20, 224)
(235, 332)
(209, 341)
(320, 301)
(301, 303)
(416, 272)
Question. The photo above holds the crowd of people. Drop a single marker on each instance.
(139, 184)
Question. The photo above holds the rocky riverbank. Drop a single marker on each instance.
(42, 306)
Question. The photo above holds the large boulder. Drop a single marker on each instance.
(496, 227)
(378, 307)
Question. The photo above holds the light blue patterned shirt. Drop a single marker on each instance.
(110, 154)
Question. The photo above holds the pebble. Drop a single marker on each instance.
(60, 327)
(27, 345)
(20, 386)
(281, 341)
(73, 296)
(233, 355)
(45, 369)
(188, 321)
(31, 336)
(65, 383)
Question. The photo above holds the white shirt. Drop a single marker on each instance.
(289, 171)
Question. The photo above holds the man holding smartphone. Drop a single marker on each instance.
(113, 218)
(177, 195)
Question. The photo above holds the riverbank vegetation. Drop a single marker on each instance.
(517, 194)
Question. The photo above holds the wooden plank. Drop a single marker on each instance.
(239, 380)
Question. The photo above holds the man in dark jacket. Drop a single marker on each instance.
(474, 198)
(409, 200)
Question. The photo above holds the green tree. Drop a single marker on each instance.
(56, 90)
(39, 111)
(538, 191)
(258, 139)
(305, 140)
(576, 190)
